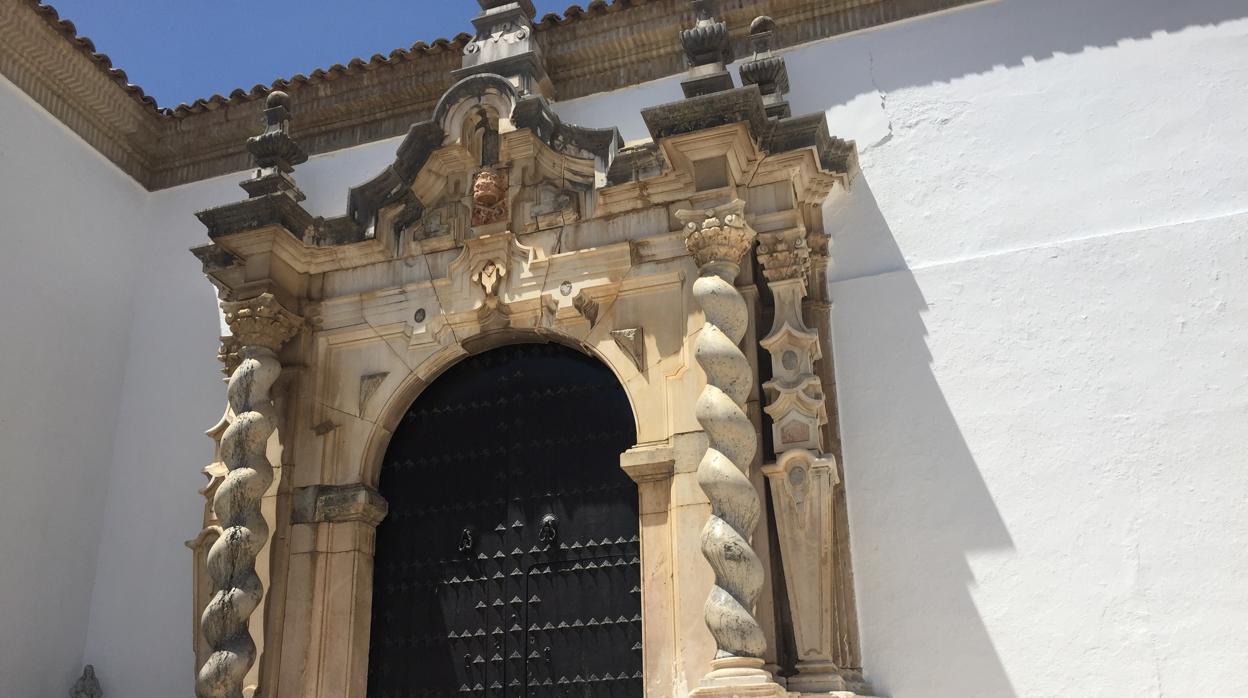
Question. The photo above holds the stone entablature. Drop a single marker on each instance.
(364, 101)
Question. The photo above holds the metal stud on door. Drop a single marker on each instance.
(509, 564)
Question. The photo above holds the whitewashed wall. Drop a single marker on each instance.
(1041, 310)
(70, 234)
(1040, 318)
(141, 617)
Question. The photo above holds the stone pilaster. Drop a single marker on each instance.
(804, 476)
(260, 327)
(718, 239)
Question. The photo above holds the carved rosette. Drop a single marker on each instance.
(260, 326)
(718, 239)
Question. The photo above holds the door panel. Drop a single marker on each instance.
(509, 563)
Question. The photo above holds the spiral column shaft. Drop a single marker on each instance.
(260, 326)
(718, 239)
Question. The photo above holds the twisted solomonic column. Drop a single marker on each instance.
(260, 326)
(718, 239)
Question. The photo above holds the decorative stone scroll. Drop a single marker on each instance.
(718, 239)
(260, 326)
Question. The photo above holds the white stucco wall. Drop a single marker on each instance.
(70, 232)
(1041, 301)
(1040, 308)
(173, 393)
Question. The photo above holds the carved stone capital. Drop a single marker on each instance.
(784, 255)
(719, 234)
(261, 321)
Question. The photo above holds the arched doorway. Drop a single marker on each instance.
(509, 562)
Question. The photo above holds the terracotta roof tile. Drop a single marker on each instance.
(67, 29)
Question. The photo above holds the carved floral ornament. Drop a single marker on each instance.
(260, 321)
(784, 255)
(719, 234)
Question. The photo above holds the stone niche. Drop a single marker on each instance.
(497, 223)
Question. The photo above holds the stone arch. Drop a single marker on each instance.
(439, 362)
(457, 420)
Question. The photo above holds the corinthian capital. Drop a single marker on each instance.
(261, 321)
(719, 234)
(784, 255)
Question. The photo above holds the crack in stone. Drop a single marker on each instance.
(883, 100)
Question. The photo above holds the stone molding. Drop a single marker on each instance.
(365, 101)
(338, 504)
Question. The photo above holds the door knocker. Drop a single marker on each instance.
(549, 531)
(465, 541)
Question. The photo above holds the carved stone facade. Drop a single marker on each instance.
(497, 223)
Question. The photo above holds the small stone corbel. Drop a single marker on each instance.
(586, 306)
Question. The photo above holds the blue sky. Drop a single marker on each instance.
(178, 50)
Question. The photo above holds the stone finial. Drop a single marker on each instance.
(274, 151)
(766, 70)
(707, 41)
(708, 50)
(261, 321)
(717, 235)
(87, 686)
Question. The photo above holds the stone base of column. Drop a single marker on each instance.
(820, 677)
(738, 677)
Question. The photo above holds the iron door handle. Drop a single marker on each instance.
(549, 530)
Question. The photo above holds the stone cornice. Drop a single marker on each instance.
(603, 47)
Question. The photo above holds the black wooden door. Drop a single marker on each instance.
(509, 563)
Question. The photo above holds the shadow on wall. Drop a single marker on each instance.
(918, 505)
(980, 38)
